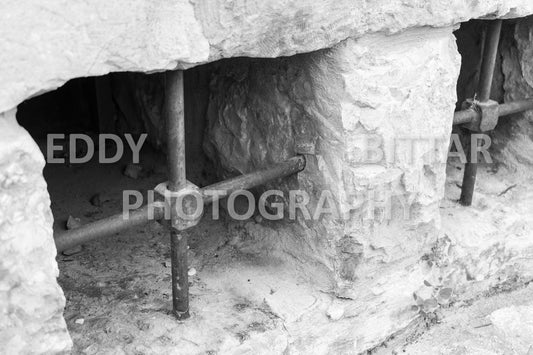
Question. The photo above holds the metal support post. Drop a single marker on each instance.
(483, 95)
(175, 126)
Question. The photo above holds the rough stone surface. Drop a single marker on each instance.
(378, 87)
(382, 78)
(515, 325)
(488, 243)
(31, 302)
(513, 143)
(63, 40)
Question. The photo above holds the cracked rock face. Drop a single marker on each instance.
(62, 40)
(512, 138)
(397, 90)
(31, 302)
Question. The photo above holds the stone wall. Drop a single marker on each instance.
(389, 88)
(31, 302)
(382, 76)
(513, 137)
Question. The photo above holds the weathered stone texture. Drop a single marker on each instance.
(31, 302)
(514, 325)
(513, 144)
(45, 44)
(382, 87)
(381, 78)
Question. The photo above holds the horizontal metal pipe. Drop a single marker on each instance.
(465, 116)
(509, 108)
(107, 226)
(515, 107)
(257, 178)
(115, 224)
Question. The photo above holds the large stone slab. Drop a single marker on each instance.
(45, 44)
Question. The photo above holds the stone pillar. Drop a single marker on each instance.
(31, 302)
(396, 93)
(399, 91)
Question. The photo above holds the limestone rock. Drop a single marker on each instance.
(96, 200)
(388, 88)
(73, 222)
(31, 302)
(60, 40)
(515, 325)
(133, 171)
(335, 311)
(73, 251)
(513, 146)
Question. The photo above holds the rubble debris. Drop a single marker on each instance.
(72, 251)
(73, 223)
(133, 171)
(96, 200)
(335, 311)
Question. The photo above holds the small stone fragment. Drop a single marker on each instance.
(192, 271)
(166, 264)
(73, 222)
(335, 311)
(79, 321)
(133, 171)
(72, 251)
(96, 200)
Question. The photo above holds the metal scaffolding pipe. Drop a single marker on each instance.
(490, 52)
(107, 227)
(515, 107)
(257, 178)
(465, 116)
(115, 224)
(175, 125)
(483, 94)
(505, 109)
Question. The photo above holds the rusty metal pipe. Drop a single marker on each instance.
(465, 116)
(515, 107)
(107, 227)
(505, 109)
(174, 112)
(257, 178)
(117, 223)
(490, 52)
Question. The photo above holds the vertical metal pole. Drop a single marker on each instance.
(175, 125)
(483, 94)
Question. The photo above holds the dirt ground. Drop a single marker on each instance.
(467, 328)
(118, 289)
(495, 316)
